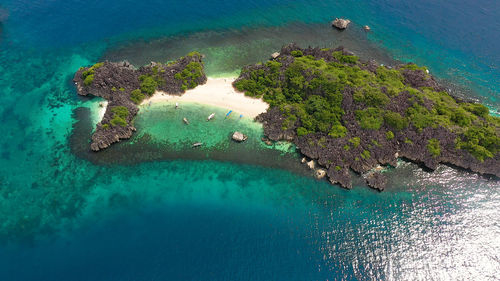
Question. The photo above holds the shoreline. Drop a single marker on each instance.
(217, 92)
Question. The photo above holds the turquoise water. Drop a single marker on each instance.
(255, 213)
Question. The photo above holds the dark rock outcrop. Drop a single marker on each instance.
(376, 180)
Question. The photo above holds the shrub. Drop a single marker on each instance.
(365, 154)
(355, 141)
(433, 147)
(338, 131)
(105, 126)
(88, 80)
(344, 59)
(370, 118)
(148, 84)
(389, 135)
(482, 142)
(371, 97)
(118, 121)
(296, 53)
(120, 111)
(137, 96)
(477, 109)
(301, 131)
(189, 75)
(395, 120)
(88, 75)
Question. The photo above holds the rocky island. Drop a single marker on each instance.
(342, 113)
(124, 87)
(349, 114)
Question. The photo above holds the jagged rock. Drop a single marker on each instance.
(275, 55)
(267, 141)
(366, 28)
(320, 173)
(341, 23)
(304, 160)
(311, 164)
(376, 180)
(239, 137)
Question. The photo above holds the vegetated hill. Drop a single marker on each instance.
(353, 114)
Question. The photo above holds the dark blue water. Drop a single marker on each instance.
(64, 218)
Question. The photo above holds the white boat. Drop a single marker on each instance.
(185, 120)
(176, 105)
(197, 144)
(210, 116)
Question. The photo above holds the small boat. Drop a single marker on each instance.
(185, 120)
(197, 144)
(227, 114)
(176, 105)
(210, 116)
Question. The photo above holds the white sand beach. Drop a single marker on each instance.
(216, 92)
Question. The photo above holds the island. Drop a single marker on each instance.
(125, 87)
(342, 113)
(349, 114)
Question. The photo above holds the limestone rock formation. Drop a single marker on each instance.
(341, 23)
(239, 137)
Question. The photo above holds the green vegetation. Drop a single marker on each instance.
(370, 118)
(482, 142)
(191, 73)
(296, 53)
(309, 92)
(148, 84)
(137, 96)
(343, 58)
(395, 120)
(389, 135)
(338, 168)
(88, 80)
(113, 89)
(365, 154)
(433, 147)
(88, 75)
(355, 141)
(105, 126)
(120, 114)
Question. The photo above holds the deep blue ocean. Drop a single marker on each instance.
(135, 216)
